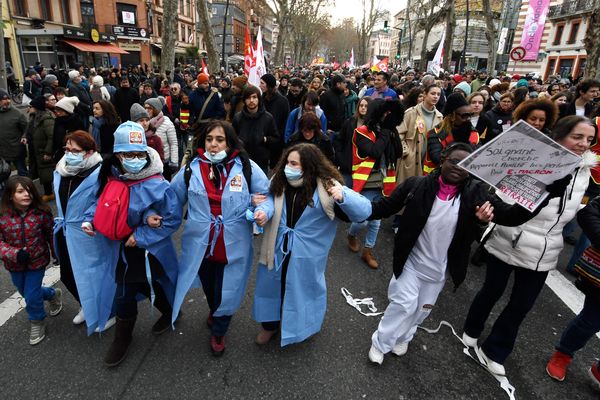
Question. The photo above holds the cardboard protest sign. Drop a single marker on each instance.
(520, 162)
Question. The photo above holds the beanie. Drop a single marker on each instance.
(68, 104)
(269, 80)
(129, 136)
(73, 74)
(154, 103)
(465, 87)
(138, 112)
(494, 82)
(3, 94)
(39, 103)
(337, 78)
(163, 101)
(522, 83)
(98, 81)
(457, 78)
(240, 81)
(453, 102)
(202, 78)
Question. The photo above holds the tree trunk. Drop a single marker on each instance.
(450, 28)
(423, 61)
(591, 41)
(207, 36)
(491, 34)
(167, 55)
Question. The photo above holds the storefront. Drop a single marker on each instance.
(93, 48)
(134, 40)
(44, 45)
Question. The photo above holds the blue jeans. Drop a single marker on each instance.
(373, 226)
(29, 285)
(527, 286)
(582, 243)
(582, 328)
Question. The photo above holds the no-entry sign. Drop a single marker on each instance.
(518, 53)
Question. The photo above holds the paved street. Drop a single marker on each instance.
(331, 365)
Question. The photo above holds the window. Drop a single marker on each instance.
(565, 67)
(126, 14)
(558, 35)
(46, 10)
(88, 18)
(159, 26)
(20, 8)
(550, 68)
(574, 32)
(66, 11)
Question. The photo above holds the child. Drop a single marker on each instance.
(25, 240)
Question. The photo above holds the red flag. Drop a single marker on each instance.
(336, 65)
(204, 67)
(381, 65)
(248, 54)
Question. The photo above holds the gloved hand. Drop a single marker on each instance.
(558, 187)
(23, 257)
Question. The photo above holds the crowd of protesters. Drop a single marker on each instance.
(352, 145)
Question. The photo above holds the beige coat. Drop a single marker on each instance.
(413, 143)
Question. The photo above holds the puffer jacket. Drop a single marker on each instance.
(536, 244)
(32, 230)
(167, 134)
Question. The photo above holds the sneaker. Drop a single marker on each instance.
(469, 341)
(264, 336)
(162, 325)
(37, 332)
(375, 355)
(353, 244)
(594, 374)
(558, 364)
(217, 345)
(55, 303)
(491, 365)
(400, 349)
(79, 318)
(109, 324)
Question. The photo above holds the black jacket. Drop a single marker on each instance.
(570, 109)
(343, 145)
(415, 198)
(252, 129)
(123, 99)
(295, 101)
(279, 108)
(322, 142)
(332, 103)
(496, 118)
(62, 127)
(589, 220)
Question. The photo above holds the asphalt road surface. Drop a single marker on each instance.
(331, 365)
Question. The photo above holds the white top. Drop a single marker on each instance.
(429, 258)
(580, 111)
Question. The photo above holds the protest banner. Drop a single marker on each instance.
(520, 162)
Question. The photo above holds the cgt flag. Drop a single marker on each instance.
(438, 59)
(204, 67)
(248, 54)
(380, 65)
(258, 63)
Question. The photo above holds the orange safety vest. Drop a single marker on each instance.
(596, 149)
(428, 165)
(362, 166)
(184, 116)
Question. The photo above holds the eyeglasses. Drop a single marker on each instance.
(174, 89)
(52, 99)
(453, 161)
(134, 155)
(466, 115)
(73, 151)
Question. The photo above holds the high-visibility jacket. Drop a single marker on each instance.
(363, 166)
(428, 165)
(596, 149)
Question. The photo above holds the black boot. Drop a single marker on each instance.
(162, 325)
(118, 349)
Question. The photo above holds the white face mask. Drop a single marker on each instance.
(217, 157)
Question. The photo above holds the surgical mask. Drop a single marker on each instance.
(292, 174)
(134, 165)
(73, 159)
(216, 158)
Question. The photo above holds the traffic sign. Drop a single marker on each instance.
(518, 53)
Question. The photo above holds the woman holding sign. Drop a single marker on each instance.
(530, 251)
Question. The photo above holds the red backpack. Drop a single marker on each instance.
(113, 206)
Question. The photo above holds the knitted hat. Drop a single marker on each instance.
(202, 78)
(129, 136)
(240, 81)
(4, 94)
(494, 82)
(465, 87)
(454, 102)
(337, 78)
(269, 80)
(515, 77)
(31, 72)
(226, 79)
(457, 78)
(68, 104)
(163, 101)
(39, 103)
(98, 81)
(73, 74)
(522, 83)
(138, 112)
(154, 103)
(410, 72)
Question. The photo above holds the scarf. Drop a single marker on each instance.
(71, 170)
(446, 191)
(267, 248)
(158, 120)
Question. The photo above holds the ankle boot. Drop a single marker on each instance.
(118, 349)
(353, 244)
(369, 258)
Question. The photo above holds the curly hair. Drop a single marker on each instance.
(314, 165)
(547, 106)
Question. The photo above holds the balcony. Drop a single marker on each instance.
(570, 9)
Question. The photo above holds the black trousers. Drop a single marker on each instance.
(211, 276)
(66, 270)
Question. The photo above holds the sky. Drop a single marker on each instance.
(352, 8)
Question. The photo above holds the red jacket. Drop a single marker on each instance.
(33, 231)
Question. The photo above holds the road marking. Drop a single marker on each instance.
(566, 291)
(15, 303)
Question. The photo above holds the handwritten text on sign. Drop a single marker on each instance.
(520, 163)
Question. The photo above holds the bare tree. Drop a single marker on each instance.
(450, 28)
(167, 55)
(371, 14)
(207, 35)
(342, 38)
(591, 41)
(491, 33)
(281, 10)
(429, 13)
(308, 25)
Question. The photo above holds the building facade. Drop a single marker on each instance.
(186, 31)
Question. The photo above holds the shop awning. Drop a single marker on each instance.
(95, 47)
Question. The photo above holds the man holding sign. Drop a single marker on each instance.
(524, 165)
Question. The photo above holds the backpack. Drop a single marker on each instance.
(96, 94)
(113, 206)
